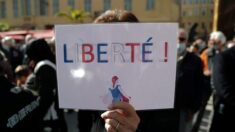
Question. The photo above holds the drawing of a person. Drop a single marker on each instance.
(116, 91)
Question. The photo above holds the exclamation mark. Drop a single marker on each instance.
(166, 49)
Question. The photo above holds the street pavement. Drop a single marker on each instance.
(207, 117)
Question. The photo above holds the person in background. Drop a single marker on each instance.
(194, 48)
(51, 43)
(216, 44)
(198, 47)
(188, 95)
(21, 74)
(13, 54)
(224, 95)
(28, 38)
(19, 108)
(189, 84)
(7, 68)
(121, 116)
(42, 62)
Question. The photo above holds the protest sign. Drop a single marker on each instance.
(98, 64)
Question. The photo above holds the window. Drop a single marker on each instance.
(2, 9)
(203, 1)
(15, 8)
(35, 7)
(25, 7)
(56, 6)
(150, 4)
(190, 1)
(43, 7)
(196, 12)
(71, 3)
(127, 5)
(87, 5)
(203, 12)
(184, 13)
(107, 4)
(203, 25)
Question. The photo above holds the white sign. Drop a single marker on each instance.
(98, 64)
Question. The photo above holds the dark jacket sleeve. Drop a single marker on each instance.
(46, 83)
(19, 111)
(197, 84)
(189, 83)
(224, 77)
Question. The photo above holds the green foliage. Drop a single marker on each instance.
(74, 15)
(4, 26)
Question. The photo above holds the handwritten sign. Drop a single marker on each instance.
(98, 64)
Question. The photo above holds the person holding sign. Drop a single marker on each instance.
(121, 116)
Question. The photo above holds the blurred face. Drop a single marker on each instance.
(200, 44)
(31, 64)
(6, 68)
(210, 43)
(194, 49)
(216, 44)
(181, 46)
(182, 40)
(21, 80)
(6, 45)
(182, 36)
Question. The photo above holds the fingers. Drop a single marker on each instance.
(123, 113)
(126, 107)
(112, 125)
(114, 115)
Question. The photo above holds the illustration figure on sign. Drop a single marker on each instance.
(116, 91)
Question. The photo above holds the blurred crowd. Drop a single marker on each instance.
(217, 80)
(205, 68)
(28, 81)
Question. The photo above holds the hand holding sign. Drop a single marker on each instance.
(121, 117)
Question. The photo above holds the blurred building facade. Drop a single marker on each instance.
(198, 12)
(41, 13)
